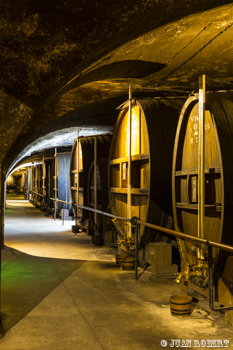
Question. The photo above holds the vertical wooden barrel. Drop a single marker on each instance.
(153, 126)
(46, 180)
(61, 179)
(26, 184)
(33, 183)
(38, 185)
(15, 182)
(82, 173)
(218, 218)
(24, 181)
(103, 146)
(81, 159)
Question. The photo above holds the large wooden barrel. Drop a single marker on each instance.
(38, 178)
(15, 183)
(218, 218)
(46, 180)
(33, 179)
(26, 183)
(61, 179)
(33, 198)
(82, 156)
(82, 172)
(102, 144)
(153, 125)
(38, 185)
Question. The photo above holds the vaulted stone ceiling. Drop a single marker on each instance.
(69, 63)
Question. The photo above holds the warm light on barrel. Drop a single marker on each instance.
(205, 164)
(153, 126)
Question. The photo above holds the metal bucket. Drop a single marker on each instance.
(180, 305)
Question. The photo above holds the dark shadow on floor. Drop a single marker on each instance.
(27, 280)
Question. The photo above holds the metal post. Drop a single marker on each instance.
(63, 215)
(95, 180)
(201, 165)
(211, 284)
(104, 227)
(129, 161)
(5, 187)
(55, 209)
(33, 184)
(55, 175)
(55, 184)
(76, 219)
(136, 252)
(211, 298)
(77, 149)
(49, 185)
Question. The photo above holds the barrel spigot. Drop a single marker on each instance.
(184, 274)
(127, 241)
(179, 277)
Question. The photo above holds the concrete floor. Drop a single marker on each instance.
(59, 291)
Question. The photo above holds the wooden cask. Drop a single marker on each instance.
(82, 156)
(36, 185)
(82, 173)
(218, 218)
(102, 145)
(61, 179)
(153, 128)
(46, 181)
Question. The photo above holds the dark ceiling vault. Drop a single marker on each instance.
(69, 63)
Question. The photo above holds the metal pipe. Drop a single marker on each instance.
(136, 252)
(55, 209)
(59, 200)
(129, 161)
(5, 187)
(201, 165)
(77, 158)
(38, 194)
(185, 236)
(138, 222)
(49, 184)
(63, 215)
(156, 227)
(55, 177)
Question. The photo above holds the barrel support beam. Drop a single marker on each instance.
(201, 165)
(77, 158)
(55, 182)
(129, 161)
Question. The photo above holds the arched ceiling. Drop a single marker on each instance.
(69, 63)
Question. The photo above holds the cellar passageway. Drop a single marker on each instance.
(39, 254)
(59, 291)
(29, 231)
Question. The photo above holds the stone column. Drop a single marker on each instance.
(2, 198)
(2, 206)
